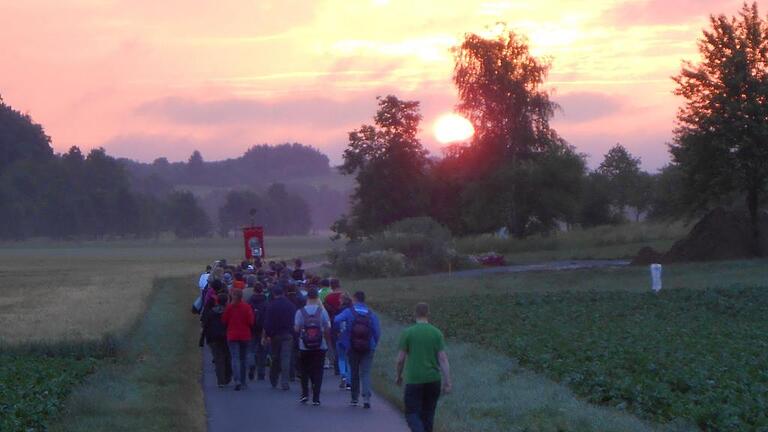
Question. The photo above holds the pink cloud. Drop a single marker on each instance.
(649, 12)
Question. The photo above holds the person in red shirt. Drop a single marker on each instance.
(238, 317)
(239, 282)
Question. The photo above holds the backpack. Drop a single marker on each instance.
(360, 333)
(312, 330)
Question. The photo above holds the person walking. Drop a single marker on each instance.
(257, 358)
(363, 333)
(313, 326)
(215, 334)
(333, 305)
(427, 371)
(238, 317)
(278, 333)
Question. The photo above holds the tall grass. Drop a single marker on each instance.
(153, 384)
(576, 239)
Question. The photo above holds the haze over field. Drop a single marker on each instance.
(146, 79)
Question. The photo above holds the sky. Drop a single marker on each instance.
(149, 78)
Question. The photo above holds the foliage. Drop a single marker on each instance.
(691, 354)
(422, 244)
(528, 196)
(622, 172)
(185, 217)
(259, 164)
(21, 139)
(375, 264)
(597, 204)
(33, 388)
(279, 211)
(720, 142)
(516, 171)
(389, 164)
(499, 85)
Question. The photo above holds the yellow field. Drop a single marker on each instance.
(62, 291)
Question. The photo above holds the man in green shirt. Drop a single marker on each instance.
(422, 355)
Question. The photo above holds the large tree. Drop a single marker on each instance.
(721, 140)
(500, 91)
(622, 171)
(516, 172)
(389, 164)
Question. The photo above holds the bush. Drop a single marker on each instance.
(410, 246)
(382, 264)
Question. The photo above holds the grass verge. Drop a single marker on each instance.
(153, 384)
(493, 393)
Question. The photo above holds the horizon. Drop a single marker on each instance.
(129, 76)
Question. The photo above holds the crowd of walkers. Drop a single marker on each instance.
(256, 317)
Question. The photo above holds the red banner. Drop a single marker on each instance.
(253, 241)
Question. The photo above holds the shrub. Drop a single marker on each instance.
(421, 244)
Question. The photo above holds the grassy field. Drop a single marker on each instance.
(63, 305)
(73, 292)
(692, 357)
(605, 242)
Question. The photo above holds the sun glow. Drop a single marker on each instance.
(450, 128)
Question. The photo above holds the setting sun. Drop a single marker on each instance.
(452, 127)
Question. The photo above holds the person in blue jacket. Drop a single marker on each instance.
(360, 332)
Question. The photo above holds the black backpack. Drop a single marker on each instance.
(312, 330)
(360, 333)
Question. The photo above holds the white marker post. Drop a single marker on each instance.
(656, 277)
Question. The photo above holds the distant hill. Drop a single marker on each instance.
(259, 164)
(304, 171)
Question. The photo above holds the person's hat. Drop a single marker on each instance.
(335, 283)
(312, 293)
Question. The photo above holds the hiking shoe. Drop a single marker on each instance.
(304, 399)
(342, 384)
(238, 387)
(354, 403)
(315, 403)
(367, 405)
(349, 387)
(222, 386)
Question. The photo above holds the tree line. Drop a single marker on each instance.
(517, 173)
(75, 195)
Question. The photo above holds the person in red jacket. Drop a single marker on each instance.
(238, 317)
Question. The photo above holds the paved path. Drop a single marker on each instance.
(545, 266)
(263, 409)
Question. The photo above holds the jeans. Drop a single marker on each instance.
(343, 362)
(420, 405)
(282, 347)
(258, 356)
(221, 360)
(239, 352)
(360, 368)
(311, 367)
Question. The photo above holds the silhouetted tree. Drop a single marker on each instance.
(721, 141)
(21, 138)
(234, 213)
(597, 204)
(389, 164)
(185, 217)
(622, 171)
(499, 84)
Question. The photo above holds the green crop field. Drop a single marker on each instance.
(693, 355)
